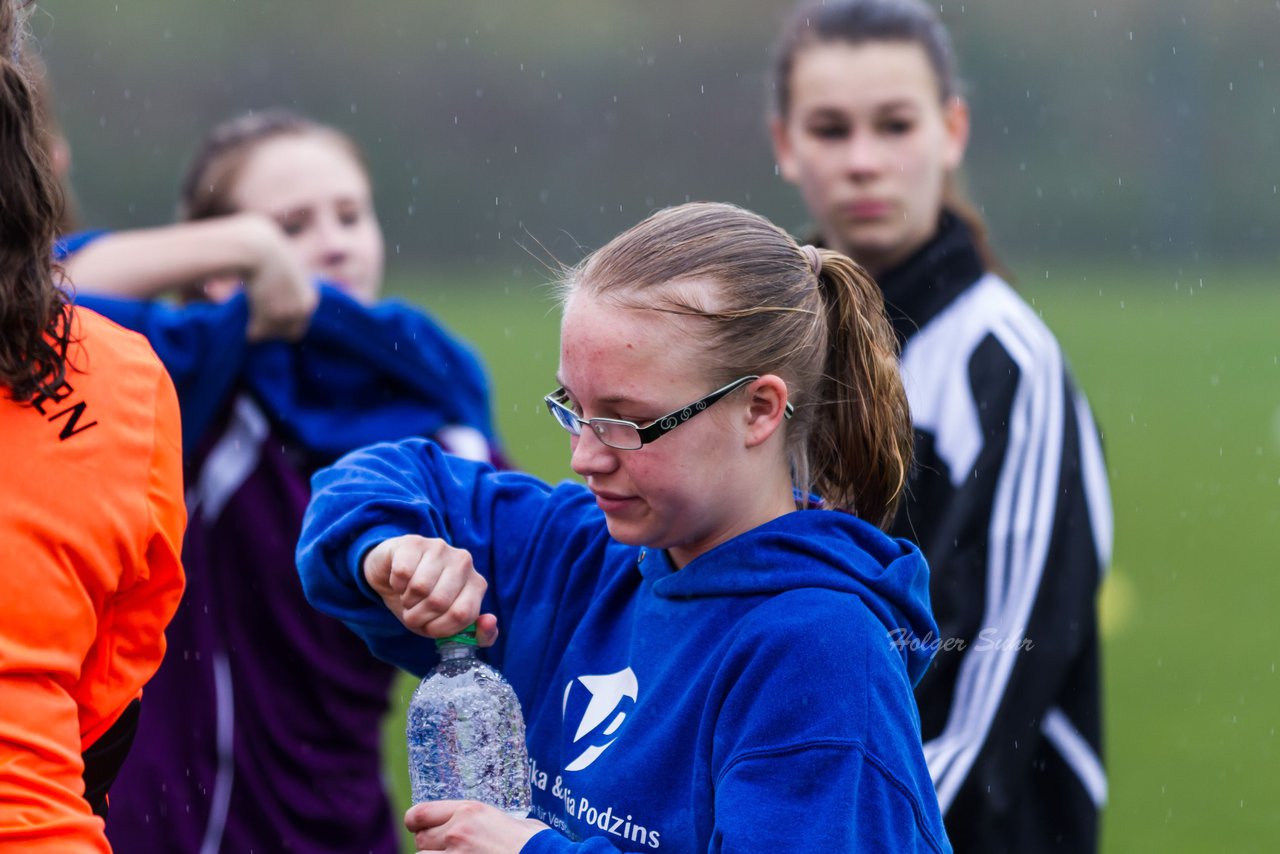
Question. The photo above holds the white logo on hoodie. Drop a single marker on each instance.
(604, 712)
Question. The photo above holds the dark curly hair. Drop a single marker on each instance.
(35, 320)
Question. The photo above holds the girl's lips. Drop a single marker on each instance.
(871, 209)
(610, 503)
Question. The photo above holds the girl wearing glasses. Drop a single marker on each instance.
(703, 635)
(1009, 497)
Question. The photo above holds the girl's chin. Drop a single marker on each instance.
(627, 533)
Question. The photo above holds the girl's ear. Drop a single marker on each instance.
(782, 150)
(955, 115)
(766, 408)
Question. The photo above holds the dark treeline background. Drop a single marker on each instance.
(1105, 132)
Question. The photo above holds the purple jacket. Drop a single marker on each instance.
(261, 730)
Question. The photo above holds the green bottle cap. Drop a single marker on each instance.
(467, 636)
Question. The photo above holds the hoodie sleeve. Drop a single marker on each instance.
(366, 374)
(790, 742)
(413, 487)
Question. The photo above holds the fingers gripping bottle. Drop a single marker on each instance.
(466, 732)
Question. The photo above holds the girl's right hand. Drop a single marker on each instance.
(282, 295)
(430, 586)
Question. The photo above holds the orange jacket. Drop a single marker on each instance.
(91, 524)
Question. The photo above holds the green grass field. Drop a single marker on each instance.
(1184, 378)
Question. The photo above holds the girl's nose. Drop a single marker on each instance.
(592, 456)
(863, 155)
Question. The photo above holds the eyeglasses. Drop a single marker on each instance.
(628, 436)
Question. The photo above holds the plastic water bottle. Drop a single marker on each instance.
(466, 732)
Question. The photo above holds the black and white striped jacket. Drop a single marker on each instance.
(1009, 502)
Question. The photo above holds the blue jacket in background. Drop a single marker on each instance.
(758, 699)
(360, 374)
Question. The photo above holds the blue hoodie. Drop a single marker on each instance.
(360, 374)
(755, 700)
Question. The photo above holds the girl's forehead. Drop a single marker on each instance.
(605, 345)
(300, 162)
(868, 71)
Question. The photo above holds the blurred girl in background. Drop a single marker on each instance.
(1008, 498)
(264, 729)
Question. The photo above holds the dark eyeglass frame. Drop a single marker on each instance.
(573, 423)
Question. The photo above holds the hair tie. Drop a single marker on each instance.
(814, 257)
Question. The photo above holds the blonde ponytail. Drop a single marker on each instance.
(860, 451)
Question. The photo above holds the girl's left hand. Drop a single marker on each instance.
(468, 827)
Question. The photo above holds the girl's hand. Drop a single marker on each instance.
(282, 296)
(430, 586)
(468, 827)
